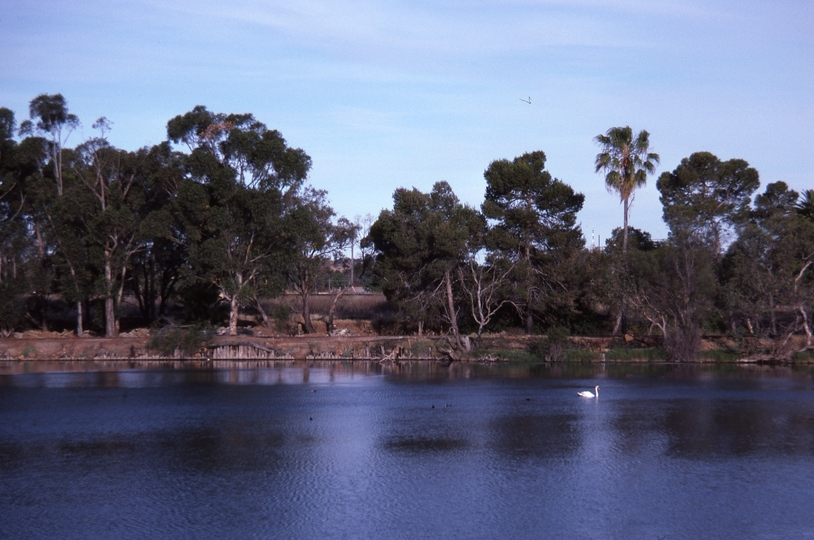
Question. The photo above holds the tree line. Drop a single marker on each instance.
(219, 217)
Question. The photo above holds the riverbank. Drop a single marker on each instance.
(497, 347)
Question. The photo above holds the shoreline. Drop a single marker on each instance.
(367, 348)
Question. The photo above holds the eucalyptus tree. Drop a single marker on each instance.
(344, 235)
(317, 239)
(11, 196)
(157, 266)
(50, 119)
(534, 218)
(419, 245)
(13, 238)
(240, 176)
(626, 160)
(31, 188)
(108, 202)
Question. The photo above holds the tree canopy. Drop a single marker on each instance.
(211, 224)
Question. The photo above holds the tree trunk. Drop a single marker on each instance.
(618, 326)
(332, 308)
(119, 298)
(233, 312)
(110, 322)
(306, 312)
(262, 312)
(80, 330)
(624, 229)
(453, 316)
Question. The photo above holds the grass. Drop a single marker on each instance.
(507, 355)
(805, 356)
(720, 355)
(577, 355)
(654, 354)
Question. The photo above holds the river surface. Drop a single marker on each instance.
(351, 450)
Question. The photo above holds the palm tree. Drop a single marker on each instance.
(805, 207)
(626, 162)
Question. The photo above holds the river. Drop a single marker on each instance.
(355, 450)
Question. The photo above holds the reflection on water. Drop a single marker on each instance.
(309, 449)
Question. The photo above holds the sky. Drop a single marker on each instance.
(387, 94)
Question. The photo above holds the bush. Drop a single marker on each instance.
(553, 346)
(280, 314)
(422, 348)
(186, 340)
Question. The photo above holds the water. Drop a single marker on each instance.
(358, 451)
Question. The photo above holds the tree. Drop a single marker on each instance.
(484, 285)
(805, 207)
(316, 240)
(752, 268)
(707, 197)
(156, 267)
(241, 176)
(110, 217)
(673, 286)
(13, 237)
(535, 228)
(345, 235)
(626, 161)
(419, 245)
(54, 122)
(767, 270)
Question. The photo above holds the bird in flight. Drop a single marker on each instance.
(526, 100)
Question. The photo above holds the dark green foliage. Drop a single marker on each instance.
(239, 225)
(805, 207)
(637, 240)
(12, 306)
(706, 197)
(210, 226)
(419, 245)
(626, 161)
(184, 340)
(766, 274)
(199, 301)
(281, 314)
(553, 347)
(535, 228)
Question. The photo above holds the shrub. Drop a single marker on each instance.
(280, 314)
(186, 340)
(552, 347)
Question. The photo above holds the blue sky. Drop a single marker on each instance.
(388, 94)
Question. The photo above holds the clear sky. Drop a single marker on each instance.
(387, 94)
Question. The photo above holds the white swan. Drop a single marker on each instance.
(588, 393)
